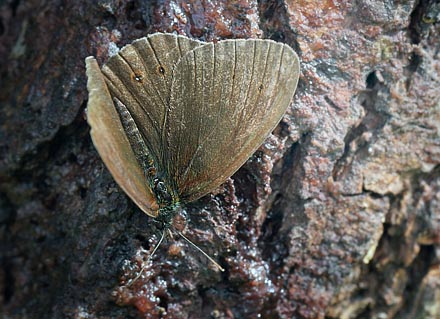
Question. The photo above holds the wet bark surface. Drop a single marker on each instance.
(335, 216)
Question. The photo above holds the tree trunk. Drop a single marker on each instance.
(335, 216)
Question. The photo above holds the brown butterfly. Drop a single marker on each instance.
(172, 118)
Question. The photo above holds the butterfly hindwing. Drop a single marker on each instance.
(225, 99)
(111, 141)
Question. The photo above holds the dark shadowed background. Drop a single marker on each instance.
(337, 215)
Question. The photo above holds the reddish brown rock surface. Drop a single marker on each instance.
(337, 215)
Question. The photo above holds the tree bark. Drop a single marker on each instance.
(335, 216)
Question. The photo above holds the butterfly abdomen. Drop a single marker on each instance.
(164, 196)
(136, 141)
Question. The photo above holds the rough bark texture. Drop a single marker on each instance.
(336, 216)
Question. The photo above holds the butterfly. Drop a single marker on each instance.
(172, 118)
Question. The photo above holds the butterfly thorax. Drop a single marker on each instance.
(167, 200)
(164, 196)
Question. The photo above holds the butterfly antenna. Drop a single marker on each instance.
(199, 249)
(148, 260)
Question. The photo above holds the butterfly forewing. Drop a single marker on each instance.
(140, 77)
(225, 99)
